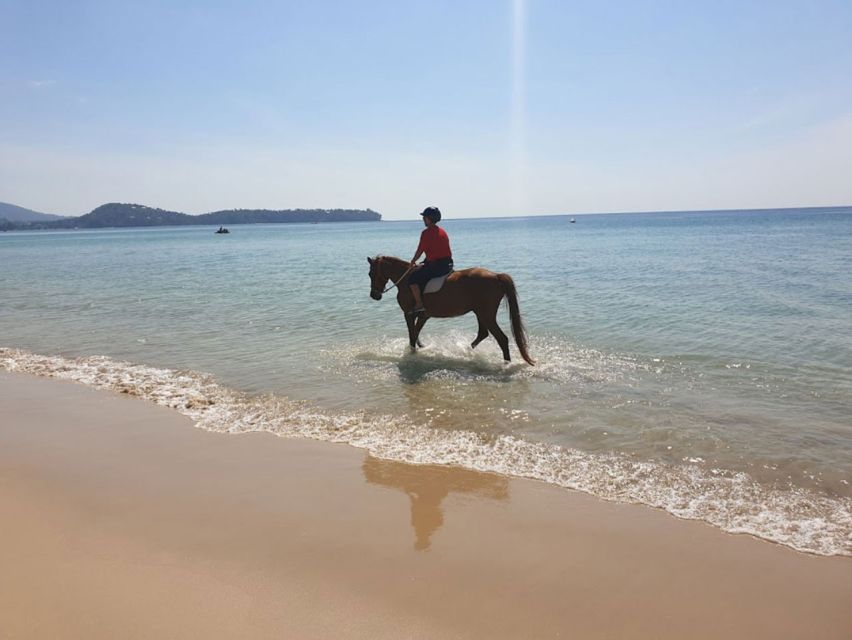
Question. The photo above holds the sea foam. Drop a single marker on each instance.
(799, 518)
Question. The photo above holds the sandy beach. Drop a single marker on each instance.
(119, 519)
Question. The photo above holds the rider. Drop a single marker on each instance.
(435, 243)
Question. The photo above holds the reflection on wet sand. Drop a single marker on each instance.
(427, 486)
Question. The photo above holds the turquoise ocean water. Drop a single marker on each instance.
(697, 362)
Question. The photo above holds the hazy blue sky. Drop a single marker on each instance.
(483, 108)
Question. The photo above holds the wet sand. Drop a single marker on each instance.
(119, 519)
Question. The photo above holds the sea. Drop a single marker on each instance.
(696, 362)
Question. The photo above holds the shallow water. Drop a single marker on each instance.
(699, 362)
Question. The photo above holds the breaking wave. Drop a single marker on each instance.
(799, 518)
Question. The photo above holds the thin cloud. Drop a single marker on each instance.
(39, 84)
(782, 114)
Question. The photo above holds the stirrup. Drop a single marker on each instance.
(416, 311)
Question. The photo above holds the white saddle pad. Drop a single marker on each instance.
(434, 285)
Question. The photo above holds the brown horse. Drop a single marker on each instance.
(477, 290)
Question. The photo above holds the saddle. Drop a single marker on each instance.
(434, 285)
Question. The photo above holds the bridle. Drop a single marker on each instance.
(391, 286)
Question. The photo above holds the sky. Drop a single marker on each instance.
(483, 108)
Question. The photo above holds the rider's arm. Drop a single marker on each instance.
(419, 250)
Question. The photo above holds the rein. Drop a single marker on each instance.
(401, 278)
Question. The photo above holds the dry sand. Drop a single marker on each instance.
(120, 520)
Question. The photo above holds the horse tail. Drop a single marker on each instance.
(518, 330)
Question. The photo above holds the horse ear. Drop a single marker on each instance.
(369, 259)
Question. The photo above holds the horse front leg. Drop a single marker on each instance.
(412, 336)
(418, 327)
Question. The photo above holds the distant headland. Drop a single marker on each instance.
(117, 214)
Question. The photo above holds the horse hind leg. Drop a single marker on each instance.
(483, 333)
(501, 339)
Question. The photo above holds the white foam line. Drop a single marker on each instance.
(798, 518)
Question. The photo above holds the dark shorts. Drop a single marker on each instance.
(430, 270)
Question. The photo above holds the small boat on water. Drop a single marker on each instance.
(221, 230)
(572, 220)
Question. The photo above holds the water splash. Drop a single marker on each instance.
(449, 355)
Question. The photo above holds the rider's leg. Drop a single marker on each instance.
(418, 300)
(418, 278)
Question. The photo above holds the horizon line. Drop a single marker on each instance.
(645, 212)
(485, 217)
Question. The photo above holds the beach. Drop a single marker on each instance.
(122, 520)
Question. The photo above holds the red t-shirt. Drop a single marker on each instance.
(435, 243)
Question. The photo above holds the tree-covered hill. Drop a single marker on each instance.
(14, 213)
(117, 214)
(124, 215)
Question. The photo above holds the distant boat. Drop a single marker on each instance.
(572, 220)
(221, 230)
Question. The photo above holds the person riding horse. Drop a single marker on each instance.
(474, 290)
(435, 243)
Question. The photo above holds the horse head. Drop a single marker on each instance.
(378, 279)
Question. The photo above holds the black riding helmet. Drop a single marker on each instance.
(432, 212)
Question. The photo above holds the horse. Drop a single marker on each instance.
(476, 289)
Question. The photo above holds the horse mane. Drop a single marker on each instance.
(394, 259)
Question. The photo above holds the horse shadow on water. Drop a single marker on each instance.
(426, 487)
(455, 360)
(414, 367)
